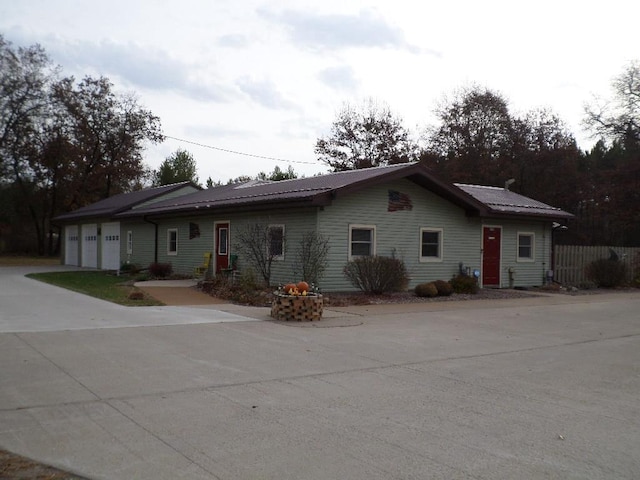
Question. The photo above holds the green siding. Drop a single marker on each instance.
(143, 243)
(190, 251)
(398, 233)
(526, 273)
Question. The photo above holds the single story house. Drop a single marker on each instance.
(403, 210)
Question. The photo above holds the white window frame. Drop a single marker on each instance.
(353, 227)
(169, 232)
(531, 258)
(129, 242)
(278, 258)
(440, 233)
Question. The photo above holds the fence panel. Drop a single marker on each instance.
(570, 261)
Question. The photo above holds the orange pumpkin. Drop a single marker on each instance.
(303, 287)
(289, 288)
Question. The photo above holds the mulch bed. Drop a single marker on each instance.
(16, 467)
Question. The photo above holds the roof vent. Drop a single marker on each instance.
(508, 183)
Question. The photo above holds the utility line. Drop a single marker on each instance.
(239, 153)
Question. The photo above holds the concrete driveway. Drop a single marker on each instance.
(531, 388)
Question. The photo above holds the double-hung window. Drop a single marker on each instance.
(172, 241)
(526, 247)
(430, 244)
(362, 240)
(275, 241)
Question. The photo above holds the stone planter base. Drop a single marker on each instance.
(297, 308)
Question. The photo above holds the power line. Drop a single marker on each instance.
(226, 150)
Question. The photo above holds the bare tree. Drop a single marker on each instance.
(311, 256)
(365, 137)
(261, 244)
(618, 118)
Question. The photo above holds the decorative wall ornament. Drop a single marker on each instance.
(399, 201)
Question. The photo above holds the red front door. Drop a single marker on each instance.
(222, 246)
(491, 256)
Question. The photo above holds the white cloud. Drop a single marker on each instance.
(340, 78)
(338, 31)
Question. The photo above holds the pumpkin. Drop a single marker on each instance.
(289, 288)
(303, 287)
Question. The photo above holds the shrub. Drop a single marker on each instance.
(160, 270)
(444, 288)
(129, 268)
(426, 290)
(607, 273)
(464, 284)
(136, 295)
(374, 274)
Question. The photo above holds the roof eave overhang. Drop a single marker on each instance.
(318, 200)
(546, 217)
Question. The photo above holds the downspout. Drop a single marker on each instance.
(155, 239)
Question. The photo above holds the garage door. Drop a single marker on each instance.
(71, 245)
(110, 246)
(89, 241)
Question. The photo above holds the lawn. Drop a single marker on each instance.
(103, 285)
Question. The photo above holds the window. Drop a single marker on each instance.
(172, 241)
(430, 245)
(223, 241)
(362, 240)
(525, 247)
(275, 241)
(129, 242)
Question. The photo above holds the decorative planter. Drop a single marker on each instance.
(299, 308)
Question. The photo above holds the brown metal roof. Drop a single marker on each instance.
(321, 190)
(121, 202)
(503, 201)
(317, 190)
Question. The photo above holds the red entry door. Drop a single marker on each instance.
(222, 246)
(491, 256)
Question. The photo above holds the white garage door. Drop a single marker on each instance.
(71, 245)
(89, 241)
(110, 246)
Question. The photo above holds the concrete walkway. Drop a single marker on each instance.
(531, 388)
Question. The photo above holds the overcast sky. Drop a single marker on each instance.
(268, 77)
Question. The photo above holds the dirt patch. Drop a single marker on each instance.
(16, 467)
(181, 296)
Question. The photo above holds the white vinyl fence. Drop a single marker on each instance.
(570, 261)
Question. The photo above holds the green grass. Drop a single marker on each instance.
(100, 285)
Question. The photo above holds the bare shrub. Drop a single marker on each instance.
(377, 275)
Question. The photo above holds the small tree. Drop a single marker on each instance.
(310, 257)
(259, 242)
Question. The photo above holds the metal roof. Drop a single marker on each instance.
(320, 190)
(503, 201)
(316, 190)
(121, 202)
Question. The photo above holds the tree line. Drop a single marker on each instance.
(66, 143)
(477, 139)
